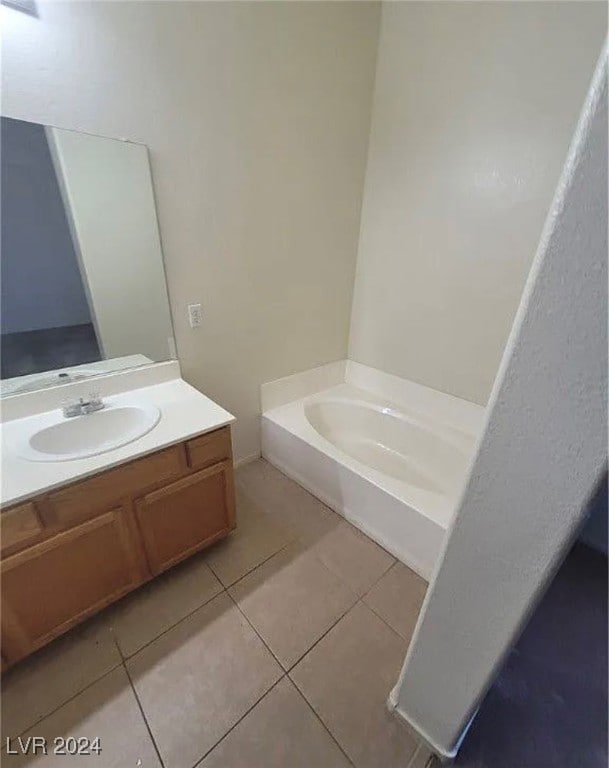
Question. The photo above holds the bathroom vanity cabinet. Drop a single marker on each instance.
(72, 551)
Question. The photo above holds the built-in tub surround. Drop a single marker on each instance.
(185, 412)
(390, 455)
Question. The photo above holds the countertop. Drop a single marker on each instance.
(185, 413)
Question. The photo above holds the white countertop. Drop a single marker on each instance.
(185, 413)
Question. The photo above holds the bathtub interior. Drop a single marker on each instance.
(392, 440)
(413, 452)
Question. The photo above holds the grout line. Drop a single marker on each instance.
(321, 637)
(431, 760)
(243, 716)
(72, 696)
(386, 623)
(383, 574)
(414, 755)
(258, 635)
(118, 648)
(318, 716)
(254, 568)
(66, 701)
(141, 708)
(226, 588)
(173, 626)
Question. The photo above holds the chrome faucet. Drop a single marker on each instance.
(82, 407)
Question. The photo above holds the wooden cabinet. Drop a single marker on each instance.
(187, 515)
(207, 449)
(81, 500)
(53, 585)
(19, 526)
(69, 553)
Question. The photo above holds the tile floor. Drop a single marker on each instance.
(275, 649)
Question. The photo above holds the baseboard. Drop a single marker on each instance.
(446, 756)
(246, 460)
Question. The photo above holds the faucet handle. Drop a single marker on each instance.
(71, 407)
(94, 403)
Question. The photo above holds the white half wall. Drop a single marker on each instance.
(474, 107)
(543, 450)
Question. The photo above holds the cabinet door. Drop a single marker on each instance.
(53, 585)
(187, 515)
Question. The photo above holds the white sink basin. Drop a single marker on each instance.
(52, 437)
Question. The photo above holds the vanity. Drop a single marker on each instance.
(114, 469)
(85, 532)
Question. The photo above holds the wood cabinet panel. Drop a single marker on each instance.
(187, 515)
(69, 553)
(19, 525)
(53, 585)
(97, 494)
(209, 449)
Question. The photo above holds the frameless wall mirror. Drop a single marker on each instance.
(81, 268)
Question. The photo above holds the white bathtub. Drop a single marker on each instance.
(390, 455)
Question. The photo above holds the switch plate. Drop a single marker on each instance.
(195, 315)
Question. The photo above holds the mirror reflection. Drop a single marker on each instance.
(83, 287)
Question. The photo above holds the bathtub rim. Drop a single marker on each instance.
(464, 414)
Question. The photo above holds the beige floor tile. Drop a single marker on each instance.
(108, 710)
(42, 683)
(196, 681)
(347, 677)
(397, 598)
(424, 759)
(280, 732)
(291, 600)
(283, 499)
(157, 606)
(353, 557)
(257, 537)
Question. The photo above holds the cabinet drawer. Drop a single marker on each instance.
(187, 515)
(99, 493)
(19, 525)
(209, 449)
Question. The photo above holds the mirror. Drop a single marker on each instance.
(83, 287)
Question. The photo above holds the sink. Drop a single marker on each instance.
(52, 437)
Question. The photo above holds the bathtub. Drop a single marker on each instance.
(390, 455)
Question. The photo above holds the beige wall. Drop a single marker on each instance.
(474, 108)
(257, 119)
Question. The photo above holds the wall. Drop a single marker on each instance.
(596, 529)
(540, 458)
(474, 108)
(257, 119)
(109, 197)
(41, 282)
